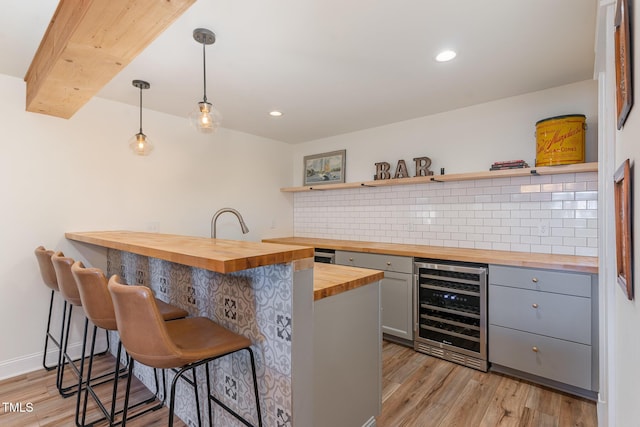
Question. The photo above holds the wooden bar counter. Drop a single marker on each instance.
(281, 300)
(582, 264)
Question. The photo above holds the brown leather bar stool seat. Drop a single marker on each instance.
(183, 344)
(49, 279)
(98, 307)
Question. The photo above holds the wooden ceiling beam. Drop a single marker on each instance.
(87, 43)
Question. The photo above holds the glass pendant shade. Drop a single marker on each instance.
(205, 118)
(140, 144)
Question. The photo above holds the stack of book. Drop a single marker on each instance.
(509, 164)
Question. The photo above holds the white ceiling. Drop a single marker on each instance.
(336, 66)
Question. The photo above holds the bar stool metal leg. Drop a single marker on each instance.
(49, 337)
(255, 387)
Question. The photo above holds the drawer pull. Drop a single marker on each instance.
(534, 349)
(534, 305)
(351, 259)
(388, 262)
(534, 280)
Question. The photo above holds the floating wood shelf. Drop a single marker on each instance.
(542, 170)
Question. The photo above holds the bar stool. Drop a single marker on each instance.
(98, 307)
(69, 291)
(184, 344)
(49, 278)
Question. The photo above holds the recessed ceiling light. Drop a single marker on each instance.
(275, 113)
(445, 55)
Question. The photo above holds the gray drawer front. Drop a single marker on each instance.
(396, 263)
(555, 315)
(563, 361)
(541, 280)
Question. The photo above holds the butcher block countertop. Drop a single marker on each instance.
(222, 256)
(331, 279)
(516, 259)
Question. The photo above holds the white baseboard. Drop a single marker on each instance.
(32, 362)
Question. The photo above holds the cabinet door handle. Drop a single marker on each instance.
(534, 280)
(534, 349)
(534, 305)
(351, 259)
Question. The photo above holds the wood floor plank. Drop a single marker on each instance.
(437, 401)
(577, 412)
(506, 405)
(471, 404)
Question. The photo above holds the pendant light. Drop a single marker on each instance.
(205, 117)
(140, 143)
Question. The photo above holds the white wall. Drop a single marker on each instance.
(625, 314)
(465, 140)
(69, 175)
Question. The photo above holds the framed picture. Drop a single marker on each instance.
(624, 86)
(325, 168)
(624, 248)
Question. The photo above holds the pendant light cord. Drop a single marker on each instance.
(204, 70)
(140, 109)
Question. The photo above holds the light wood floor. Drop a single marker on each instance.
(418, 391)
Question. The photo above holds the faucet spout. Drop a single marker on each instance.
(214, 219)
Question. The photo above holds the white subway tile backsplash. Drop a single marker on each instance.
(521, 197)
(520, 247)
(574, 223)
(586, 232)
(567, 177)
(550, 188)
(545, 214)
(575, 186)
(531, 188)
(563, 250)
(562, 214)
(517, 180)
(563, 232)
(483, 245)
(563, 196)
(501, 247)
(500, 214)
(540, 197)
(541, 249)
(587, 195)
(586, 251)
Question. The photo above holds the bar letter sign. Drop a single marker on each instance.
(383, 169)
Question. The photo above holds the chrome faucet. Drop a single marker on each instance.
(214, 219)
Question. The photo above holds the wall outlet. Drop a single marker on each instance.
(543, 229)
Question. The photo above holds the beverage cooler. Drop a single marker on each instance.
(451, 312)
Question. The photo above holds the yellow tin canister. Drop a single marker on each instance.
(560, 140)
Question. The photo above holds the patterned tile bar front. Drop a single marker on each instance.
(257, 303)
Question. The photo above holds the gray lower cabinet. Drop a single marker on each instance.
(544, 323)
(396, 289)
